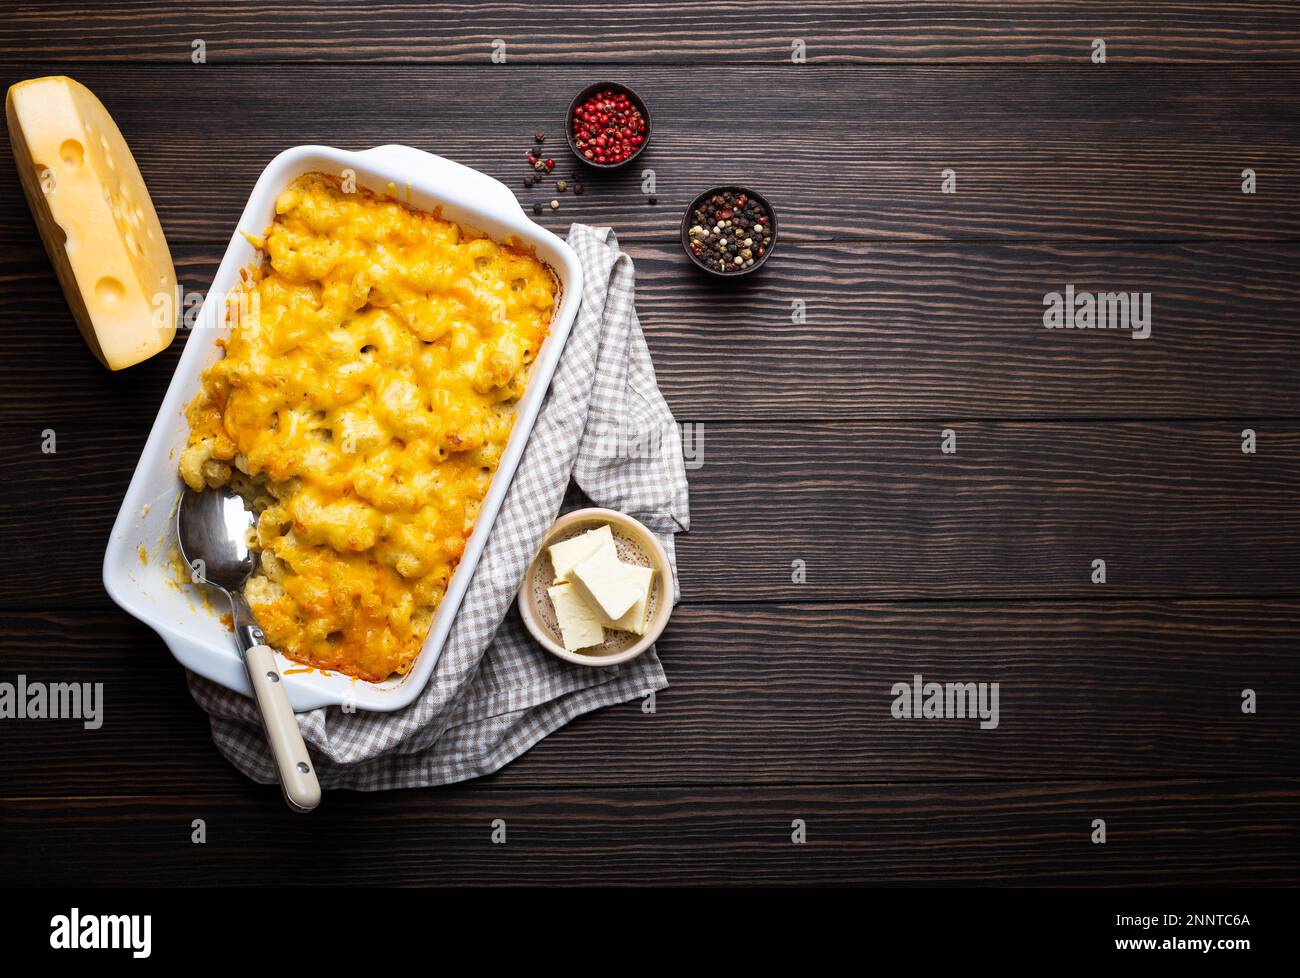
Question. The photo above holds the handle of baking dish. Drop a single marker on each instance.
(297, 776)
(490, 191)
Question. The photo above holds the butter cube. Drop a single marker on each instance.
(606, 583)
(578, 624)
(634, 619)
(569, 553)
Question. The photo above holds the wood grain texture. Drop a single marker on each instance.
(421, 32)
(874, 510)
(1238, 833)
(890, 331)
(1111, 153)
(771, 694)
(820, 442)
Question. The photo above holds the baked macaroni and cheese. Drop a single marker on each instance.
(362, 406)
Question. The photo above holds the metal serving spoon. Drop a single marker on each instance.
(213, 529)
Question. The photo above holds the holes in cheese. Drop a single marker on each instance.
(109, 291)
(72, 153)
(95, 217)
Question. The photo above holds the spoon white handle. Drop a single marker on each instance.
(297, 776)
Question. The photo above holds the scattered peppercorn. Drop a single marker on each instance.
(555, 205)
(652, 199)
(608, 128)
(541, 167)
(731, 231)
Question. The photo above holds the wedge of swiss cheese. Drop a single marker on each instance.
(95, 217)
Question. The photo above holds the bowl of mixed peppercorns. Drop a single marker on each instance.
(729, 231)
(608, 125)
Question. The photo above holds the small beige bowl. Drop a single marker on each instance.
(636, 545)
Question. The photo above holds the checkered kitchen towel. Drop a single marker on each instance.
(494, 692)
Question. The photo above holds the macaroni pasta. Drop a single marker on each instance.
(362, 406)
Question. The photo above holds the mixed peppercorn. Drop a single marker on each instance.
(535, 159)
(730, 231)
(542, 167)
(608, 128)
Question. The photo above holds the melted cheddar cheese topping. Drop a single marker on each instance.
(362, 406)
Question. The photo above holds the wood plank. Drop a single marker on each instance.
(843, 153)
(771, 694)
(1163, 31)
(1235, 833)
(890, 330)
(875, 510)
(921, 306)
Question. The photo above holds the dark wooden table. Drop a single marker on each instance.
(1119, 701)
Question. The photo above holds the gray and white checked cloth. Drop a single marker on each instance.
(495, 692)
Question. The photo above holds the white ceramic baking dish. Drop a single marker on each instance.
(138, 572)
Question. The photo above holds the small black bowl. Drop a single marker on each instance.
(587, 93)
(688, 221)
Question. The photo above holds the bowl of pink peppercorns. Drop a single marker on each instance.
(608, 125)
